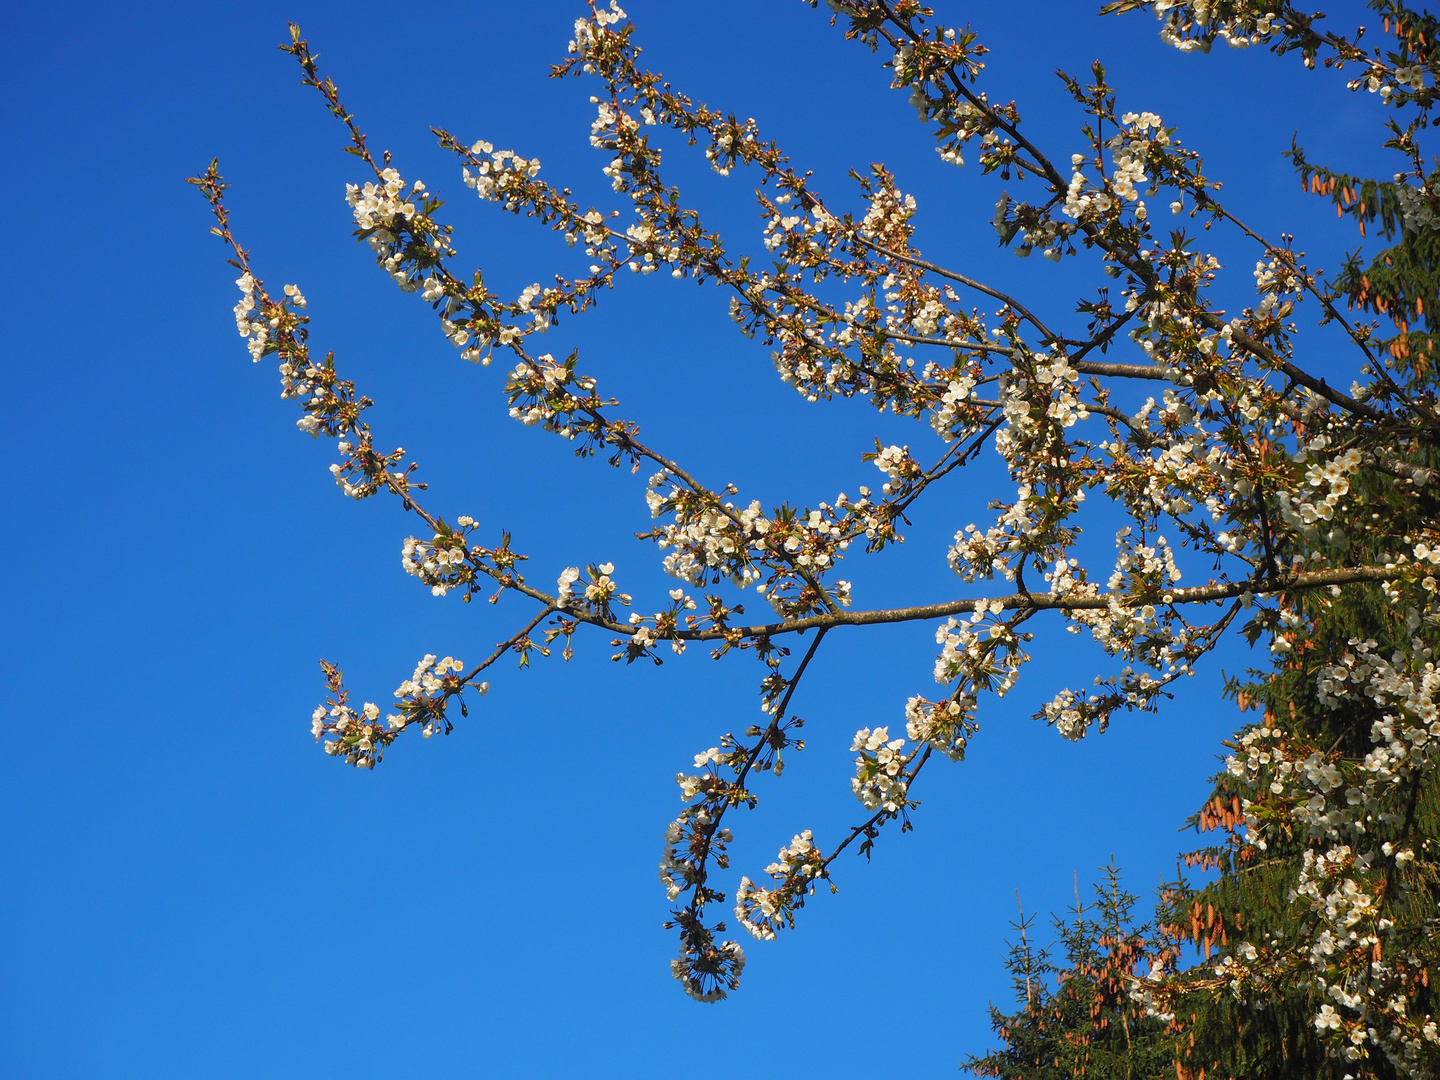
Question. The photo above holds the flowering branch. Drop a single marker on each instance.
(1283, 483)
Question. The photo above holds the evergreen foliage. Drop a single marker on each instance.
(1077, 1018)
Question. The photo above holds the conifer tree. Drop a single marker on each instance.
(1250, 903)
(1078, 1019)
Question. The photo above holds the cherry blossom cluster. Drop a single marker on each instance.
(541, 393)
(442, 563)
(504, 169)
(696, 839)
(879, 780)
(785, 557)
(648, 630)
(945, 725)
(1417, 205)
(764, 911)
(256, 332)
(329, 403)
(422, 697)
(400, 231)
(377, 206)
(360, 738)
(356, 734)
(1327, 483)
(596, 592)
(1198, 24)
(1130, 153)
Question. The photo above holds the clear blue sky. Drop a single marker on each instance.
(190, 888)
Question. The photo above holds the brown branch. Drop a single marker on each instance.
(969, 283)
(1122, 371)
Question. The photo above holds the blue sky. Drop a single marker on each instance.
(191, 888)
